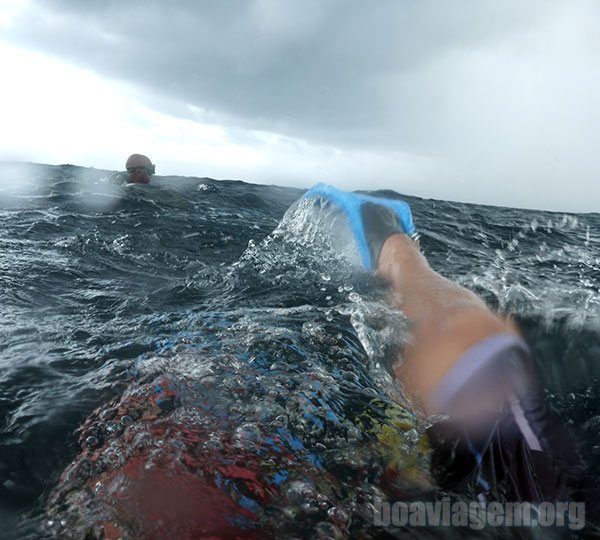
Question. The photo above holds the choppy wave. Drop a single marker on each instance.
(249, 309)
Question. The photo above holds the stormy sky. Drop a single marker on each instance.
(487, 101)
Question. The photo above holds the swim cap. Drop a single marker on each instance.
(139, 160)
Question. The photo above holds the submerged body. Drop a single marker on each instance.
(171, 460)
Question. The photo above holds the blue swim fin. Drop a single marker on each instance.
(371, 219)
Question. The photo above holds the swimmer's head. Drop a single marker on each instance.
(139, 168)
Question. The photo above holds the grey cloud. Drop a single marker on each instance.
(338, 71)
(500, 100)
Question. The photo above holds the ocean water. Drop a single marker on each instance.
(195, 337)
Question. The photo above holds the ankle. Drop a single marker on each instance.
(396, 250)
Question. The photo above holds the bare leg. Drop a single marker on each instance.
(448, 319)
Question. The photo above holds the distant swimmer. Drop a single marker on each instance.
(139, 171)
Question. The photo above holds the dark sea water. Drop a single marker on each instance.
(262, 338)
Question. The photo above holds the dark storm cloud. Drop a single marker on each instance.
(475, 100)
(339, 71)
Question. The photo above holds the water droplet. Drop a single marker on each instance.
(593, 425)
(111, 428)
(310, 507)
(280, 421)
(337, 514)
(91, 442)
(84, 469)
(412, 436)
(350, 376)
(278, 366)
(298, 492)
(327, 531)
(434, 419)
(249, 432)
(213, 444)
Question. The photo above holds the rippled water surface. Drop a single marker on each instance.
(215, 338)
